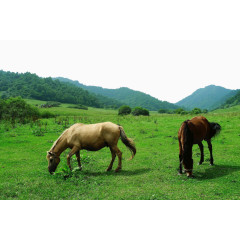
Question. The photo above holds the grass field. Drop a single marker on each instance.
(152, 174)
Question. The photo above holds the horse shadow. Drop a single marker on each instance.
(215, 171)
(135, 172)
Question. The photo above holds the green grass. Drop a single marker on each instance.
(152, 174)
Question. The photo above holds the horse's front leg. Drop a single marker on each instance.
(180, 164)
(72, 152)
(202, 153)
(210, 150)
(180, 157)
(79, 160)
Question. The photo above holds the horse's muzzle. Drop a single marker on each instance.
(51, 170)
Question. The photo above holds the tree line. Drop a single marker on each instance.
(183, 111)
(31, 86)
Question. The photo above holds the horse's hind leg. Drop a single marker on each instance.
(119, 154)
(71, 153)
(79, 160)
(112, 161)
(210, 150)
(202, 153)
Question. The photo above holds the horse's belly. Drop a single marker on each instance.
(94, 147)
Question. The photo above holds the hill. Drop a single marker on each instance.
(210, 97)
(28, 85)
(126, 95)
(232, 101)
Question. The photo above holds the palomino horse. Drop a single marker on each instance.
(191, 132)
(91, 137)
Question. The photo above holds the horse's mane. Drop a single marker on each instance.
(55, 143)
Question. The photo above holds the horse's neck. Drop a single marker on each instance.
(60, 146)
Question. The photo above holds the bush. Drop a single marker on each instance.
(163, 111)
(124, 110)
(179, 110)
(47, 114)
(137, 111)
(78, 106)
(53, 104)
(16, 109)
(196, 111)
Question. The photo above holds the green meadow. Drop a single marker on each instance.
(152, 174)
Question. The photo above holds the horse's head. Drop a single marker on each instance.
(53, 161)
(215, 129)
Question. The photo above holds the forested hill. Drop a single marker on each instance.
(126, 95)
(28, 85)
(233, 101)
(210, 97)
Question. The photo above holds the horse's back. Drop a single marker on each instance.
(93, 136)
(200, 127)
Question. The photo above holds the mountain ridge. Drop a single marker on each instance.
(126, 95)
(29, 85)
(209, 97)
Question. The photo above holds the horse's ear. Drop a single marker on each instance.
(50, 153)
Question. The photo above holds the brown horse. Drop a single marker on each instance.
(191, 132)
(92, 137)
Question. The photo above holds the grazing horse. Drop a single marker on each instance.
(92, 137)
(191, 132)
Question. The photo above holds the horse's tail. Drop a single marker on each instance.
(187, 143)
(129, 143)
(215, 129)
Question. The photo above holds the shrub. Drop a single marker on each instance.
(184, 112)
(163, 111)
(78, 106)
(137, 111)
(53, 104)
(196, 111)
(179, 110)
(16, 109)
(124, 110)
(47, 114)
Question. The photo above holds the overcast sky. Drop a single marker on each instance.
(167, 70)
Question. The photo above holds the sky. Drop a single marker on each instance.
(167, 70)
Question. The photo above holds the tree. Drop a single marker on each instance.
(179, 110)
(124, 110)
(196, 111)
(137, 111)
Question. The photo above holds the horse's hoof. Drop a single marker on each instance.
(211, 164)
(108, 169)
(180, 173)
(200, 163)
(118, 169)
(190, 176)
(80, 168)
